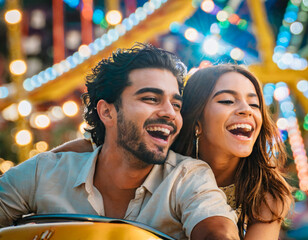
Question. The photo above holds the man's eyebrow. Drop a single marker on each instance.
(178, 97)
(152, 90)
(157, 91)
(233, 93)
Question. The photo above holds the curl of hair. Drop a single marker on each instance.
(110, 77)
(259, 173)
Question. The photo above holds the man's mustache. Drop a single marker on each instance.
(161, 121)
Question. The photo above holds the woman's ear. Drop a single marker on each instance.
(105, 112)
(198, 128)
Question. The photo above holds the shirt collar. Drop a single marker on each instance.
(156, 174)
(86, 170)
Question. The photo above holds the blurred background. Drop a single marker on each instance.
(47, 47)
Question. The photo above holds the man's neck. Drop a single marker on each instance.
(117, 180)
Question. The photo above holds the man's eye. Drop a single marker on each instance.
(255, 105)
(177, 106)
(226, 101)
(150, 99)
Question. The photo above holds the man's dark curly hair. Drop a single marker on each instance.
(109, 78)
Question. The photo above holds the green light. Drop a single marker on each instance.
(103, 24)
(242, 24)
(305, 126)
(300, 195)
(228, 9)
(224, 24)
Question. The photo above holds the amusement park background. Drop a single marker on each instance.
(48, 46)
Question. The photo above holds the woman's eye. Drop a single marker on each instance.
(255, 105)
(226, 101)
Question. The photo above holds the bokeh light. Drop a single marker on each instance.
(82, 126)
(84, 51)
(210, 46)
(42, 121)
(207, 6)
(222, 16)
(12, 16)
(114, 17)
(70, 108)
(6, 165)
(191, 34)
(18, 67)
(237, 54)
(41, 146)
(23, 137)
(24, 108)
(282, 123)
(10, 113)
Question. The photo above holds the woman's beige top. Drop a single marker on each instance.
(230, 193)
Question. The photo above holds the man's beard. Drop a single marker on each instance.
(130, 139)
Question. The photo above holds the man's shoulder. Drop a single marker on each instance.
(178, 161)
(61, 160)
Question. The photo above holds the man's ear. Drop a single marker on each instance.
(106, 112)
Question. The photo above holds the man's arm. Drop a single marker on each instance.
(215, 228)
(17, 187)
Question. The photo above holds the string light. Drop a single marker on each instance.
(12, 16)
(23, 137)
(98, 44)
(114, 17)
(70, 108)
(24, 108)
(191, 34)
(18, 67)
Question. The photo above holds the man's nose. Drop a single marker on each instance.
(167, 111)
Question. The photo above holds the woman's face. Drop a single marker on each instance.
(232, 118)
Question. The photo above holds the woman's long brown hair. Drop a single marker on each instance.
(258, 174)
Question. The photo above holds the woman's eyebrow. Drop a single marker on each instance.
(233, 93)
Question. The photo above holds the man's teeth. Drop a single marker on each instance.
(244, 126)
(160, 129)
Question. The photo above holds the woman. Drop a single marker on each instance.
(226, 124)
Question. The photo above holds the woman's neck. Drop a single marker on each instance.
(224, 168)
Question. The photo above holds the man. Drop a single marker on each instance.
(133, 108)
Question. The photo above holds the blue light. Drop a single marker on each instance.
(98, 16)
(72, 3)
(4, 92)
(27, 85)
(284, 135)
(134, 19)
(127, 23)
(175, 27)
(281, 84)
(268, 99)
(290, 17)
(279, 49)
(287, 106)
(71, 62)
(269, 89)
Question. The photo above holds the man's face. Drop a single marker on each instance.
(149, 117)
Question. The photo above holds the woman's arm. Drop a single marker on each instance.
(268, 231)
(77, 145)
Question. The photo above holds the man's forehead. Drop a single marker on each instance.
(153, 78)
